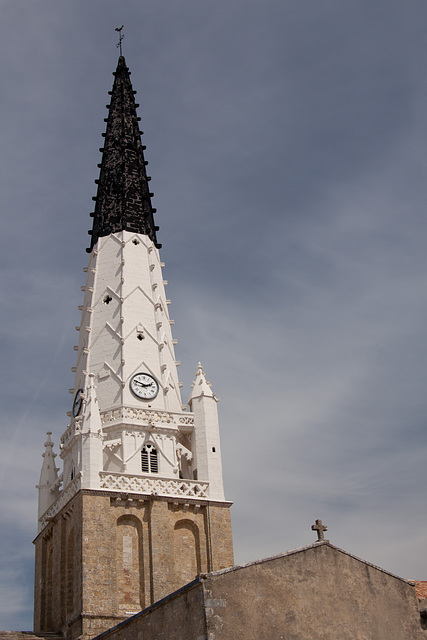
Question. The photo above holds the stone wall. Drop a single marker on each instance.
(58, 566)
(179, 616)
(107, 556)
(318, 592)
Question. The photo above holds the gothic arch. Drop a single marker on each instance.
(129, 564)
(186, 552)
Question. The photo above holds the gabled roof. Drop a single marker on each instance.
(308, 547)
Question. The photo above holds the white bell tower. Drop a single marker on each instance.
(135, 460)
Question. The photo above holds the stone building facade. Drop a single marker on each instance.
(317, 592)
(107, 556)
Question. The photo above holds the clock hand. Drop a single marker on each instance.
(143, 385)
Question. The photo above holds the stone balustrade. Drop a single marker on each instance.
(156, 486)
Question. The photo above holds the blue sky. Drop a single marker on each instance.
(287, 146)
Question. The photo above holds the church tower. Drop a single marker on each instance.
(139, 509)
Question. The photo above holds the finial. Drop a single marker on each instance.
(320, 528)
(48, 443)
(121, 36)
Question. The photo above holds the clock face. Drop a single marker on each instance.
(144, 386)
(77, 403)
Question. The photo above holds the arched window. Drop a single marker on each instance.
(129, 565)
(149, 459)
(186, 552)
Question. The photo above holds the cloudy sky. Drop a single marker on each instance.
(287, 148)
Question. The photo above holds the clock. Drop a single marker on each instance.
(77, 403)
(144, 386)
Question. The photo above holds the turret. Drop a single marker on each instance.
(203, 404)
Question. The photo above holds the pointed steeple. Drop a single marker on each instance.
(123, 200)
(131, 447)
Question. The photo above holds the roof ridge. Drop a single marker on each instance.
(313, 545)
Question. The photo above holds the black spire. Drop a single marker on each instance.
(123, 199)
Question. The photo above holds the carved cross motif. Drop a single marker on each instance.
(320, 528)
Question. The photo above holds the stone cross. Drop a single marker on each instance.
(320, 528)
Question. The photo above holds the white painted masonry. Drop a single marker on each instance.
(125, 329)
(125, 325)
(48, 483)
(203, 404)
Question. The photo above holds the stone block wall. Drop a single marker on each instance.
(179, 616)
(316, 592)
(58, 569)
(107, 556)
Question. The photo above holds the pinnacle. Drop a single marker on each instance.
(48, 477)
(91, 416)
(48, 442)
(201, 387)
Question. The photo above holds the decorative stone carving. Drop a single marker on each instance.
(149, 485)
(145, 416)
(65, 497)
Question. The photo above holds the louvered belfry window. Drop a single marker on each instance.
(149, 460)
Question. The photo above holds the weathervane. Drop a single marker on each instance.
(121, 36)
